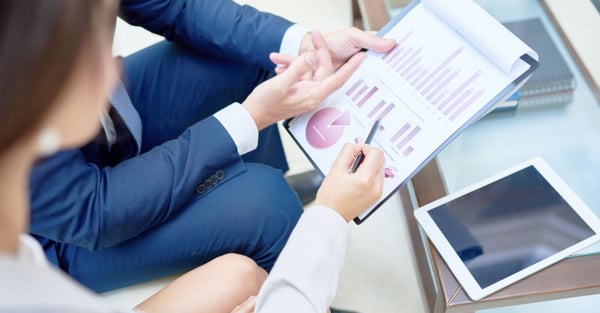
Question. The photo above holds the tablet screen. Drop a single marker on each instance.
(508, 225)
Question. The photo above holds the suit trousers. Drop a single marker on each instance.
(252, 214)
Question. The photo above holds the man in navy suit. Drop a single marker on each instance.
(183, 175)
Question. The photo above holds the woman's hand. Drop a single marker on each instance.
(352, 193)
(308, 80)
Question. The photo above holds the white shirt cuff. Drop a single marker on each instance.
(327, 216)
(240, 126)
(292, 39)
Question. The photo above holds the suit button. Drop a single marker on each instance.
(208, 183)
(201, 189)
(220, 174)
(214, 179)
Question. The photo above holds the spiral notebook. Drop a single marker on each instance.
(553, 82)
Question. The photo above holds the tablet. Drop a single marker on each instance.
(508, 226)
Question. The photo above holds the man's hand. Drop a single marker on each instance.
(350, 194)
(345, 43)
(308, 80)
(342, 45)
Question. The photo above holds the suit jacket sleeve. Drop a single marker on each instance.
(76, 202)
(221, 28)
(305, 276)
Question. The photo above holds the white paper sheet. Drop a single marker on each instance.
(426, 89)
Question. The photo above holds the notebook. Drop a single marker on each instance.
(553, 82)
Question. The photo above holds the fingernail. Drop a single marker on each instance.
(310, 59)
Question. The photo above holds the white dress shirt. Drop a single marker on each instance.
(29, 284)
(305, 276)
(236, 120)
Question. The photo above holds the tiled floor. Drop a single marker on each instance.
(379, 274)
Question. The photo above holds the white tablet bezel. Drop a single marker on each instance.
(456, 265)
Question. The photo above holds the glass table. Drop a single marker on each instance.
(566, 136)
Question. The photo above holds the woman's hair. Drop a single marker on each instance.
(40, 40)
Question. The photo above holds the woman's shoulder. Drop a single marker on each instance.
(29, 288)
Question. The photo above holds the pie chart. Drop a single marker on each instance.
(326, 127)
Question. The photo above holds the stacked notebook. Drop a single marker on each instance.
(553, 82)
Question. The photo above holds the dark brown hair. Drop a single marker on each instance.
(40, 41)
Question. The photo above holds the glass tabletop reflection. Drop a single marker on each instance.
(567, 136)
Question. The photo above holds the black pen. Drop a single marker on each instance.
(360, 156)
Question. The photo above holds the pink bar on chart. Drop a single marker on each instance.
(435, 82)
(442, 85)
(418, 78)
(398, 47)
(367, 96)
(409, 59)
(360, 92)
(410, 67)
(408, 150)
(400, 132)
(444, 64)
(412, 74)
(351, 90)
(402, 57)
(386, 111)
(466, 104)
(376, 109)
(393, 57)
(464, 85)
(457, 102)
(387, 54)
(438, 98)
(410, 136)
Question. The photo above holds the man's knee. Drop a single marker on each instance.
(272, 194)
(278, 210)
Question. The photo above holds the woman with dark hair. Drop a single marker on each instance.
(57, 69)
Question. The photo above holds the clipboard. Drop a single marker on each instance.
(441, 77)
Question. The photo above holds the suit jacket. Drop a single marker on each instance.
(82, 198)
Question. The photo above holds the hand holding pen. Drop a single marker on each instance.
(351, 194)
(360, 155)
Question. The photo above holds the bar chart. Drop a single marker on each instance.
(374, 102)
(415, 86)
(445, 86)
(439, 78)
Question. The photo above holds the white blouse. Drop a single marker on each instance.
(29, 284)
(304, 278)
